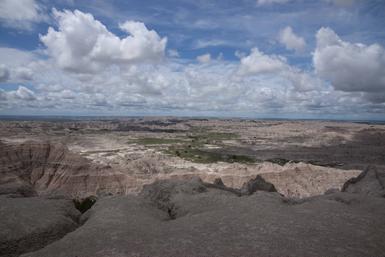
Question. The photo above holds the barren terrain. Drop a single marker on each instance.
(116, 160)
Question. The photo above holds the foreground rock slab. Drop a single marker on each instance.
(186, 218)
(27, 224)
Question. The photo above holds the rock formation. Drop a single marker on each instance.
(176, 217)
(257, 184)
(49, 168)
(370, 182)
(28, 224)
(109, 192)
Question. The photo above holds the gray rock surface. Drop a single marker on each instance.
(27, 224)
(370, 182)
(17, 188)
(212, 222)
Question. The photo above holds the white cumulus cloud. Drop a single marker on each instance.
(20, 14)
(258, 62)
(22, 93)
(83, 44)
(290, 40)
(258, 83)
(349, 66)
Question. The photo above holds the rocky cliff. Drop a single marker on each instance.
(48, 168)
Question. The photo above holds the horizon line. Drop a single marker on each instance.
(19, 117)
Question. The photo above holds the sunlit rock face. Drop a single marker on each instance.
(292, 180)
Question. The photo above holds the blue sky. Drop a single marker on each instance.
(255, 58)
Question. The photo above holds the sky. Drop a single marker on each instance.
(228, 58)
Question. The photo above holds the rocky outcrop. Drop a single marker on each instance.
(302, 180)
(49, 168)
(169, 195)
(212, 222)
(257, 184)
(218, 182)
(248, 188)
(28, 224)
(163, 192)
(370, 182)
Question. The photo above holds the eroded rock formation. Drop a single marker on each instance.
(370, 182)
(179, 217)
(48, 168)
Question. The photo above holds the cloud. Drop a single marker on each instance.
(22, 93)
(3, 96)
(20, 14)
(25, 94)
(258, 62)
(350, 67)
(14, 65)
(378, 97)
(303, 81)
(204, 58)
(342, 3)
(67, 94)
(175, 87)
(256, 84)
(23, 73)
(4, 73)
(14, 58)
(83, 44)
(267, 2)
(200, 43)
(290, 40)
(173, 53)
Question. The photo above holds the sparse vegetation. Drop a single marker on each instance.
(192, 147)
(213, 136)
(203, 156)
(279, 161)
(157, 141)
